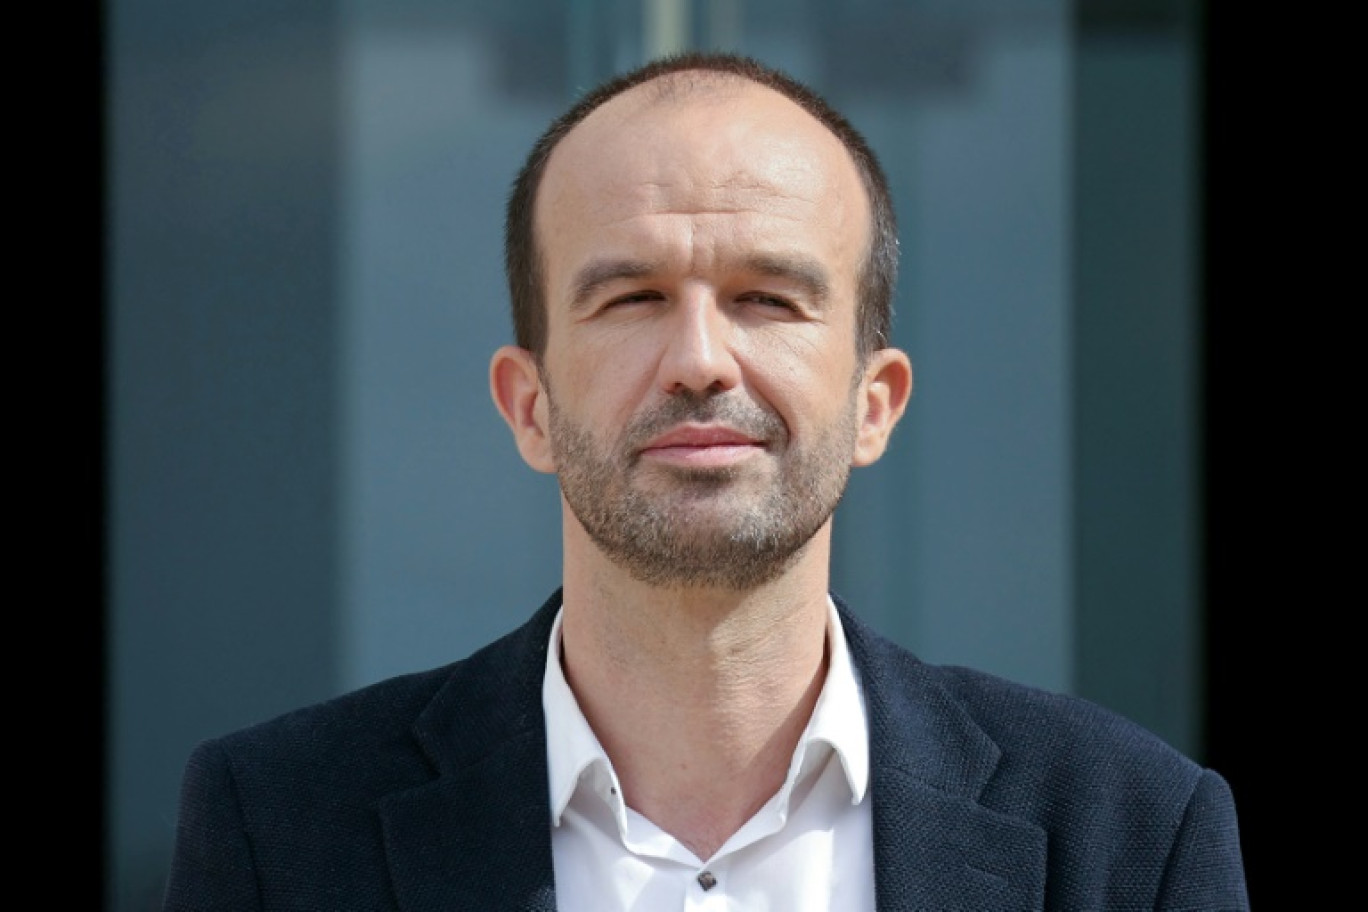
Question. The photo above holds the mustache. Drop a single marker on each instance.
(737, 412)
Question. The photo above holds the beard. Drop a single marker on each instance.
(734, 527)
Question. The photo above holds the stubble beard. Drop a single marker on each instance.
(722, 528)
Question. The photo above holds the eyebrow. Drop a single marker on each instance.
(800, 270)
(803, 271)
(598, 273)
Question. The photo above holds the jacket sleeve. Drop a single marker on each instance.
(212, 867)
(1205, 871)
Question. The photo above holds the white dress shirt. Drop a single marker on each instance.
(809, 849)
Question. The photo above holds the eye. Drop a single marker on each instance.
(635, 297)
(768, 300)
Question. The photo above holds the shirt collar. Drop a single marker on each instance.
(838, 720)
(572, 748)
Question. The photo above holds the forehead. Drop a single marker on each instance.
(705, 147)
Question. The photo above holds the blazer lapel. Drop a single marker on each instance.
(935, 846)
(479, 835)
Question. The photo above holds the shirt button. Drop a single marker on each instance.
(706, 880)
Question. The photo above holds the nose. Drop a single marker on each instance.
(698, 354)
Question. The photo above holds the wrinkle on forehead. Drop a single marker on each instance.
(740, 192)
(683, 180)
(720, 209)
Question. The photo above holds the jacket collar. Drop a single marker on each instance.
(478, 835)
(935, 845)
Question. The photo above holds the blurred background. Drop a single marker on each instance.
(307, 488)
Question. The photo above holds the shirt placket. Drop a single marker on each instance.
(706, 890)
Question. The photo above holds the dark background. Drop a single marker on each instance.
(1262, 460)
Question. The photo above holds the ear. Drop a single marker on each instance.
(884, 391)
(515, 384)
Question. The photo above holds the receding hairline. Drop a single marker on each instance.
(677, 88)
(690, 84)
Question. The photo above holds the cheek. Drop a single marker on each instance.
(806, 376)
(600, 388)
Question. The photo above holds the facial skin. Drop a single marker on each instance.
(675, 512)
(700, 396)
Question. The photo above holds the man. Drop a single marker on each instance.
(701, 256)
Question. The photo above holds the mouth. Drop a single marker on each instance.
(702, 446)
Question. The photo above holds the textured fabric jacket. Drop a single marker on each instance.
(429, 792)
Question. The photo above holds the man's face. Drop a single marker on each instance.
(702, 388)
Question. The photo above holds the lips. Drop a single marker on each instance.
(696, 436)
(705, 447)
(704, 432)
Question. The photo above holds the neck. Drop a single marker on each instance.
(699, 696)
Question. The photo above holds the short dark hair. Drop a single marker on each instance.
(522, 259)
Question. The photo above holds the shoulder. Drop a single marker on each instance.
(1115, 800)
(1050, 732)
(300, 802)
(1057, 759)
(371, 713)
(392, 733)
(314, 750)
(1066, 730)
(1047, 745)
(1124, 813)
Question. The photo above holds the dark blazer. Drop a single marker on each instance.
(429, 792)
